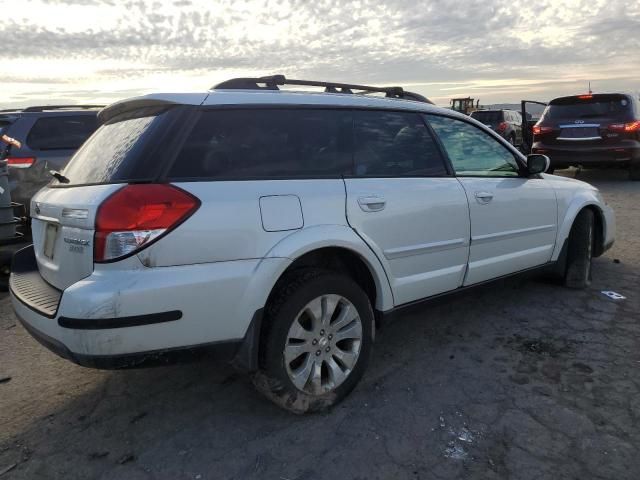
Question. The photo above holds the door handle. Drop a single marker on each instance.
(371, 203)
(484, 197)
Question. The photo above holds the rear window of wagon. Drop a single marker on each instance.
(117, 151)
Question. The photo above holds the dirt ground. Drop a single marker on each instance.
(519, 380)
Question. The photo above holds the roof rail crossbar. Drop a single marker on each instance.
(42, 108)
(272, 82)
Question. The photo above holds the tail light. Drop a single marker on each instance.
(502, 126)
(136, 216)
(625, 127)
(20, 162)
(540, 130)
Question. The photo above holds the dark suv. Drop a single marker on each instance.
(49, 135)
(598, 130)
(507, 123)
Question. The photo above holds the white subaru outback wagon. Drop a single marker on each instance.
(276, 227)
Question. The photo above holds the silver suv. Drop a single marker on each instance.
(279, 227)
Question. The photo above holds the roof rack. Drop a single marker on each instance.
(60, 107)
(272, 82)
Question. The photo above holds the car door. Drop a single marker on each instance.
(406, 205)
(513, 215)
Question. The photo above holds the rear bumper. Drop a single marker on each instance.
(222, 351)
(568, 156)
(122, 318)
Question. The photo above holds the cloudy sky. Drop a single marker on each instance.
(497, 50)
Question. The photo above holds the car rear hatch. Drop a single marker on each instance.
(126, 149)
(585, 120)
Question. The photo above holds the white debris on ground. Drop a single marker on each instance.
(463, 437)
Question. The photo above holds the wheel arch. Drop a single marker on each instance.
(333, 247)
(600, 226)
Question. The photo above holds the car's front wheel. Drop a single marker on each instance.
(580, 251)
(317, 340)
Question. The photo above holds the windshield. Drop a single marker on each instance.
(113, 153)
(487, 117)
(610, 107)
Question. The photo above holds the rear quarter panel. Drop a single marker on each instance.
(229, 224)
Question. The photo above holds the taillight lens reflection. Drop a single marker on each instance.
(625, 127)
(540, 130)
(20, 162)
(136, 215)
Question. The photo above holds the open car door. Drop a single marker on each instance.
(531, 112)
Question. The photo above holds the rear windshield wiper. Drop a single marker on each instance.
(58, 176)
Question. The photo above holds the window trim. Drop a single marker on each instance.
(522, 171)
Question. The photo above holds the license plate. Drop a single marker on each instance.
(589, 132)
(50, 235)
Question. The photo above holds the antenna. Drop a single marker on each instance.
(590, 92)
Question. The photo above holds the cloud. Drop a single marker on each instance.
(181, 42)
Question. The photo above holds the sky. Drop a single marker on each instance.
(500, 51)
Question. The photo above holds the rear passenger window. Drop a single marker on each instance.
(394, 144)
(61, 133)
(265, 143)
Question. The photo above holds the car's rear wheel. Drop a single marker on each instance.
(580, 251)
(634, 170)
(317, 340)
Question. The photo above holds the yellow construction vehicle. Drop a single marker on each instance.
(465, 105)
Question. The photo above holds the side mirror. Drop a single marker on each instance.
(537, 163)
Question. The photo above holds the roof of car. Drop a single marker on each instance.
(57, 110)
(269, 97)
(586, 96)
(495, 110)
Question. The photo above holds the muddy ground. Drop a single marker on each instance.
(519, 380)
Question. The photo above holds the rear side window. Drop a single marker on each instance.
(3, 126)
(61, 133)
(115, 152)
(394, 144)
(266, 143)
(608, 106)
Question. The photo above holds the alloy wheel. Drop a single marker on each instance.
(323, 344)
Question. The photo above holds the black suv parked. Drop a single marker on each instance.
(507, 123)
(50, 135)
(599, 130)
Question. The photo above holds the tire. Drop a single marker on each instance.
(634, 171)
(577, 273)
(303, 368)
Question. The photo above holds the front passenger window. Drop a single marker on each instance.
(472, 152)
